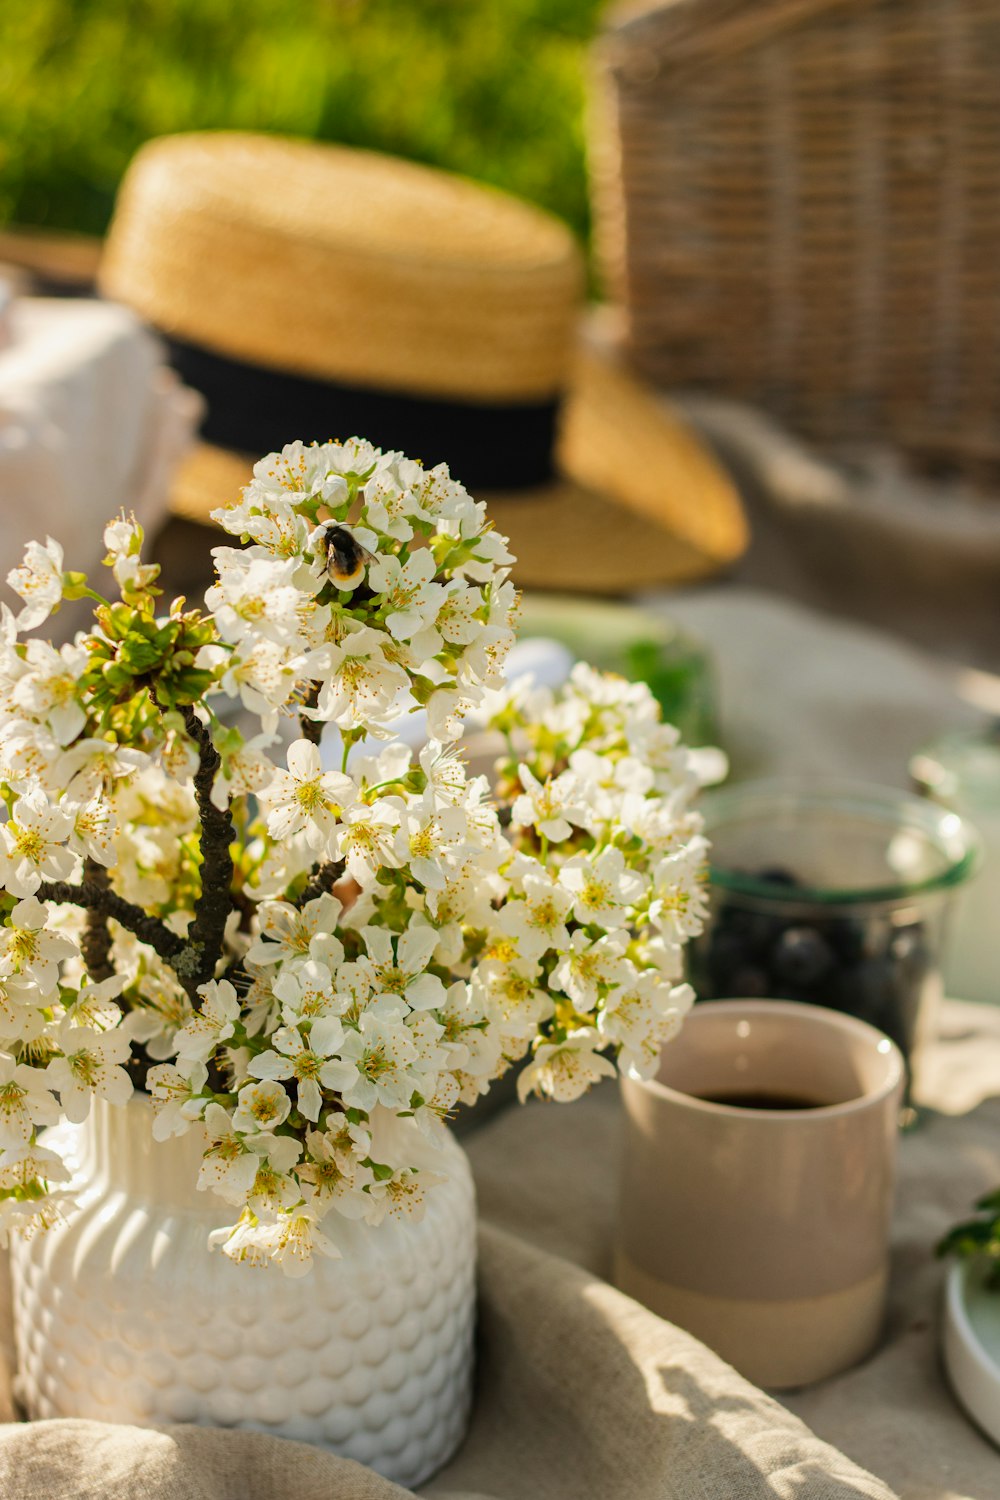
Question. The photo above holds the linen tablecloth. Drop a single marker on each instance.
(582, 1393)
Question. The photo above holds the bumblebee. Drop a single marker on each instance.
(346, 559)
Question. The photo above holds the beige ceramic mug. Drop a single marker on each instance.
(764, 1230)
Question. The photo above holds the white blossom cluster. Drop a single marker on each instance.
(313, 959)
(605, 886)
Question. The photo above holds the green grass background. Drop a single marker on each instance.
(491, 88)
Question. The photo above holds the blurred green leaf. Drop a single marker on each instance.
(490, 88)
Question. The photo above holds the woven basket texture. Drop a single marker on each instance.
(798, 204)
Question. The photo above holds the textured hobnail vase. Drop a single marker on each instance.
(124, 1315)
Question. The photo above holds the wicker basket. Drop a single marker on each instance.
(798, 204)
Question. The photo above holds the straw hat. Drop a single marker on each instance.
(317, 291)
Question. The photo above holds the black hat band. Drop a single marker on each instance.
(253, 409)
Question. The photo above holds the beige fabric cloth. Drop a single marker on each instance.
(582, 1393)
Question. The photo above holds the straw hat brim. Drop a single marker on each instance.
(639, 502)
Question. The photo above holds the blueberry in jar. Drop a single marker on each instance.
(801, 957)
(868, 966)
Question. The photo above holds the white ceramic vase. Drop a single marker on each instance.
(124, 1315)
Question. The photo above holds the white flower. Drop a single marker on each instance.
(662, 823)
(589, 968)
(29, 950)
(20, 1166)
(399, 968)
(26, 1217)
(32, 845)
(123, 539)
(275, 1186)
(22, 1017)
(228, 1166)
(434, 841)
(49, 689)
(603, 887)
(255, 596)
(93, 835)
(39, 582)
(381, 1055)
(211, 1024)
(641, 1017)
(306, 1059)
(460, 615)
(366, 839)
(95, 1005)
(401, 1196)
(549, 807)
(565, 1070)
(337, 1178)
(290, 1241)
(245, 768)
(447, 780)
(391, 764)
(306, 992)
(306, 799)
(538, 922)
(359, 684)
(177, 1096)
(261, 673)
(410, 597)
(261, 1106)
(26, 1101)
(679, 906)
(446, 708)
(290, 935)
(513, 986)
(266, 513)
(471, 1040)
(92, 768)
(30, 756)
(90, 1064)
(300, 471)
(483, 660)
(388, 505)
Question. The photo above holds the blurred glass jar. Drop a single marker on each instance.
(961, 771)
(832, 893)
(639, 644)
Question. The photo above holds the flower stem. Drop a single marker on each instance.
(206, 935)
(322, 880)
(91, 897)
(96, 942)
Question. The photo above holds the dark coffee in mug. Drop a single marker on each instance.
(763, 1100)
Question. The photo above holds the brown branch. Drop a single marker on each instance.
(312, 729)
(322, 880)
(96, 942)
(93, 897)
(206, 935)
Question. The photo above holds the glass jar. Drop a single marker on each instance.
(832, 893)
(962, 771)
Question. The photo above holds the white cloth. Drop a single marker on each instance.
(91, 420)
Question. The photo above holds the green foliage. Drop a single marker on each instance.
(490, 88)
(144, 666)
(978, 1237)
